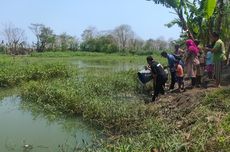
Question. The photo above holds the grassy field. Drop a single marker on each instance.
(111, 101)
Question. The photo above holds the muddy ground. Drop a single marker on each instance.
(175, 106)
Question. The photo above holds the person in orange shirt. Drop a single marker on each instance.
(179, 75)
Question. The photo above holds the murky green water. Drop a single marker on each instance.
(22, 131)
(112, 65)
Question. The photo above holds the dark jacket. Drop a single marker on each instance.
(158, 70)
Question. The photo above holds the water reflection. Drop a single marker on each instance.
(115, 66)
(24, 130)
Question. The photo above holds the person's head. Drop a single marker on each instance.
(149, 59)
(215, 36)
(177, 46)
(191, 46)
(164, 54)
(208, 46)
(189, 43)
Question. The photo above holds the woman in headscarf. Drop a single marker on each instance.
(192, 60)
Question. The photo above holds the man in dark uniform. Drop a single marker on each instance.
(159, 77)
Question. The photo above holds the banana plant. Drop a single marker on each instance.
(178, 6)
(225, 28)
(192, 16)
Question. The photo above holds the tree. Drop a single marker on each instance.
(15, 38)
(66, 42)
(102, 43)
(202, 17)
(45, 37)
(192, 15)
(225, 30)
(136, 44)
(2, 47)
(159, 44)
(179, 7)
(89, 33)
(36, 29)
(123, 34)
(106, 43)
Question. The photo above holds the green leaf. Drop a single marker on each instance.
(173, 22)
(209, 8)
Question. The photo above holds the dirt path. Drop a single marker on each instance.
(174, 106)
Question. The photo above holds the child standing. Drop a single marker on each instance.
(179, 75)
(209, 64)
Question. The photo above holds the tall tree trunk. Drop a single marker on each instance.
(184, 24)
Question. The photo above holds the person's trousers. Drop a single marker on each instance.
(173, 80)
(159, 87)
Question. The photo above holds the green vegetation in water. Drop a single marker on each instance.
(98, 103)
(95, 98)
(131, 125)
(65, 54)
(15, 71)
(88, 54)
(110, 101)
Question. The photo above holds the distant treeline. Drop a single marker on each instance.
(122, 39)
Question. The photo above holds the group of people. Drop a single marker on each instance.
(195, 61)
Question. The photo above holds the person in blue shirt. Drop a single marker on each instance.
(209, 64)
(171, 64)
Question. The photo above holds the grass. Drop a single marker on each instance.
(99, 102)
(109, 100)
(128, 124)
(13, 74)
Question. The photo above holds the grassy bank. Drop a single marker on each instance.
(131, 125)
(110, 100)
(109, 103)
(97, 99)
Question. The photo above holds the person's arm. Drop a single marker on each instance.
(215, 48)
(212, 49)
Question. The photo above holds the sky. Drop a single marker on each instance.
(74, 16)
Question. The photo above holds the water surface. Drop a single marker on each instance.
(22, 131)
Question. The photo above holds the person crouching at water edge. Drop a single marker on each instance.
(159, 77)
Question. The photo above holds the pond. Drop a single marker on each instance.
(114, 66)
(23, 131)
